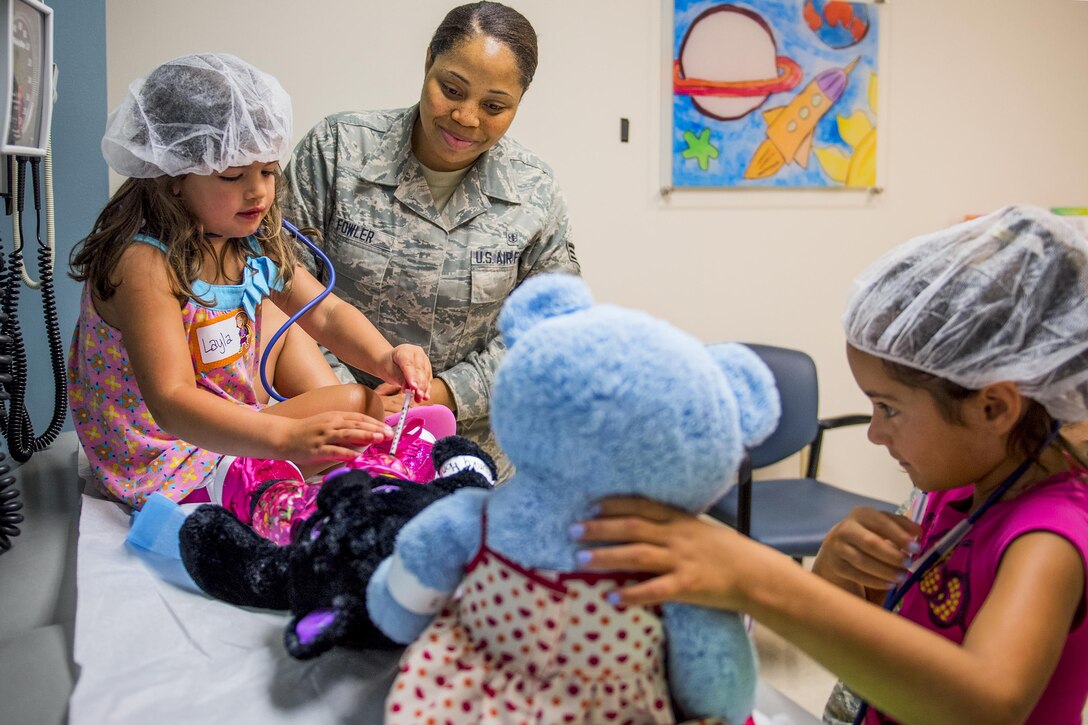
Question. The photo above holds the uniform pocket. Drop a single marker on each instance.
(361, 270)
(489, 287)
(492, 284)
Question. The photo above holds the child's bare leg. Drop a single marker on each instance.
(352, 398)
(296, 364)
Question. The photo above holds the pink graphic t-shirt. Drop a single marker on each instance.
(949, 596)
(131, 457)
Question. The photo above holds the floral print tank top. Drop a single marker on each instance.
(130, 456)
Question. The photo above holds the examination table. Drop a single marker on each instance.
(89, 634)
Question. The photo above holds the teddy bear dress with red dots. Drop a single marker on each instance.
(525, 646)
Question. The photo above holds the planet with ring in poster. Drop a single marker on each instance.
(728, 63)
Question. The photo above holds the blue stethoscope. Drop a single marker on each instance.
(954, 536)
(399, 430)
(305, 308)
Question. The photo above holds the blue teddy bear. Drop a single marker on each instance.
(590, 401)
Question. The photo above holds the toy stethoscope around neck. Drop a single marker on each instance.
(928, 559)
(399, 430)
(305, 308)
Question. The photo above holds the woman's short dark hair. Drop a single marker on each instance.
(494, 20)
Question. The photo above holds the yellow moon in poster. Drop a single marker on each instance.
(859, 168)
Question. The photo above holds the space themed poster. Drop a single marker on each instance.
(774, 93)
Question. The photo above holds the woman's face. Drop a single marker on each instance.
(470, 96)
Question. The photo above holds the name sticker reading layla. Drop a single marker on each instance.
(218, 342)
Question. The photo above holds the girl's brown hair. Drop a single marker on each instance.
(148, 206)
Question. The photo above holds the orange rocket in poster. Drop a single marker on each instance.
(790, 127)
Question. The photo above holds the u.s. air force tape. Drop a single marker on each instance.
(410, 592)
(466, 463)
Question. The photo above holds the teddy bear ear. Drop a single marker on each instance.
(753, 385)
(539, 298)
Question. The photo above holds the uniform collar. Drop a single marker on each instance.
(394, 165)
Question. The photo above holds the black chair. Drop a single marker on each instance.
(791, 515)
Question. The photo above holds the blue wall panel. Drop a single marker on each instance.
(80, 184)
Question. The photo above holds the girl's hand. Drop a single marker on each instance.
(392, 400)
(868, 549)
(329, 437)
(410, 368)
(696, 561)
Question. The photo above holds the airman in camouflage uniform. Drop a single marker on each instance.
(433, 278)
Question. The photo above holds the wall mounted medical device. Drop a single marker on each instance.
(28, 76)
(27, 71)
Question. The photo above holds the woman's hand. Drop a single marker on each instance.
(868, 550)
(328, 437)
(696, 561)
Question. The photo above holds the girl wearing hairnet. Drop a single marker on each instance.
(972, 344)
(186, 274)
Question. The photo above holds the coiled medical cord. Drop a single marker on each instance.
(46, 261)
(17, 426)
(12, 341)
(9, 506)
(16, 211)
(9, 498)
(306, 308)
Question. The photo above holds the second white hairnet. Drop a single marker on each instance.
(1001, 297)
(198, 114)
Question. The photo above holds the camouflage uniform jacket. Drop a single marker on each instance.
(436, 279)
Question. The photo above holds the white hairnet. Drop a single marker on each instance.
(198, 114)
(1000, 298)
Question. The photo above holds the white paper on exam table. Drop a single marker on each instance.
(149, 651)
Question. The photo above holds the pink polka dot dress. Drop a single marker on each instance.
(523, 646)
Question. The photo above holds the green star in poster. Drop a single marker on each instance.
(700, 148)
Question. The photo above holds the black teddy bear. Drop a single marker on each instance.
(322, 577)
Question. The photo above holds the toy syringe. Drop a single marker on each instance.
(408, 395)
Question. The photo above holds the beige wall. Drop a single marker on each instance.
(978, 109)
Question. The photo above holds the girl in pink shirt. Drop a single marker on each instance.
(972, 344)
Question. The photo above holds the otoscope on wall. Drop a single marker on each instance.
(28, 71)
